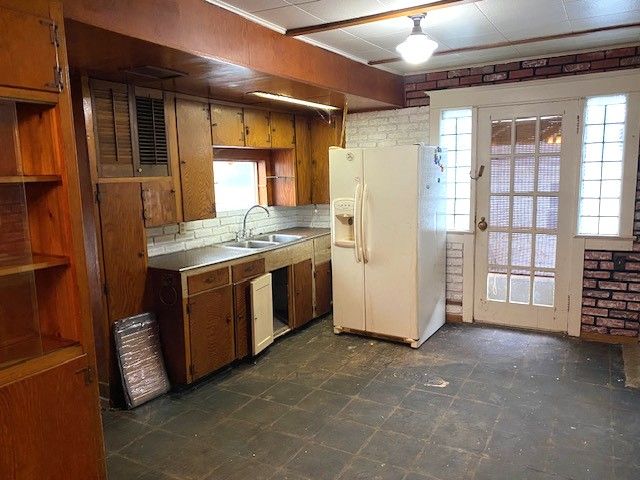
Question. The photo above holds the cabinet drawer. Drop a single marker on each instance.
(208, 280)
(247, 270)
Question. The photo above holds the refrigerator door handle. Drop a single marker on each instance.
(363, 223)
(356, 223)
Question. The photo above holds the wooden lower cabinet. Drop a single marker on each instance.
(242, 304)
(302, 293)
(323, 289)
(211, 331)
(53, 430)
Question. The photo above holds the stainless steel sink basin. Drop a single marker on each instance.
(250, 244)
(277, 238)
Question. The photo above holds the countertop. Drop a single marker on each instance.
(206, 256)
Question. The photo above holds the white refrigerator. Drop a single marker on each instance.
(388, 241)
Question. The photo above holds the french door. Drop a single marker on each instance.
(525, 213)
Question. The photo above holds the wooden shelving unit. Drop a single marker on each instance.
(37, 262)
(17, 179)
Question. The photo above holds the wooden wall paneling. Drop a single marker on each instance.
(158, 203)
(227, 125)
(257, 128)
(282, 179)
(323, 136)
(113, 123)
(10, 163)
(322, 280)
(196, 159)
(211, 330)
(302, 292)
(32, 34)
(283, 132)
(55, 435)
(303, 160)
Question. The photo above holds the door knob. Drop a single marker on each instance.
(482, 224)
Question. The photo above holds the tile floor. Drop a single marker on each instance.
(472, 403)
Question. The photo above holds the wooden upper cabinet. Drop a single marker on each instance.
(303, 160)
(28, 56)
(158, 203)
(112, 129)
(257, 128)
(196, 159)
(211, 331)
(227, 126)
(151, 150)
(323, 136)
(283, 133)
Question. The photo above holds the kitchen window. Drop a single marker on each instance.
(602, 166)
(235, 184)
(455, 136)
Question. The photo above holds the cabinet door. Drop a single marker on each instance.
(54, 428)
(323, 289)
(196, 159)
(112, 129)
(159, 204)
(261, 313)
(242, 311)
(28, 57)
(227, 126)
(124, 248)
(211, 331)
(323, 136)
(303, 160)
(302, 293)
(257, 128)
(282, 130)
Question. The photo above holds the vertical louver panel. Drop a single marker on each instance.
(112, 128)
(152, 133)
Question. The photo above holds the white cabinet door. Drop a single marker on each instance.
(261, 313)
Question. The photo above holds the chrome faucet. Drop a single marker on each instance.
(243, 233)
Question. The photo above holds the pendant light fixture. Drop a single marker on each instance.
(417, 48)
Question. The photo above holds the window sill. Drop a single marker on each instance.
(616, 244)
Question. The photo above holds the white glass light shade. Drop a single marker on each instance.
(417, 48)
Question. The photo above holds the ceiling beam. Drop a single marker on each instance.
(376, 17)
(523, 41)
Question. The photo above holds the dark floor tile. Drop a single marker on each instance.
(319, 462)
(222, 402)
(121, 468)
(311, 376)
(450, 386)
(242, 469)
(492, 469)
(158, 411)
(589, 374)
(392, 448)
(248, 384)
(626, 472)
(412, 423)
(529, 446)
(587, 438)
(300, 423)
(365, 469)
(364, 411)
(425, 402)
(273, 448)
(261, 412)
(485, 392)
(286, 392)
(173, 455)
(496, 373)
(193, 424)
(231, 437)
(120, 431)
(383, 393)
(344, 384)
(446, 463)
(574, 464)
(323, 403)
(343, 435)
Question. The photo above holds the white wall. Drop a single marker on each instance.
(401, 127)
(201, 233)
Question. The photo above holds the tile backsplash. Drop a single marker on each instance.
(201, 233)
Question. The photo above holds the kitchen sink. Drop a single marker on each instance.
(250, 244)
(277, 238)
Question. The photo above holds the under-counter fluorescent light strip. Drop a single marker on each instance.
(296, 101)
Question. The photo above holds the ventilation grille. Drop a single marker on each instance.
(152, 133)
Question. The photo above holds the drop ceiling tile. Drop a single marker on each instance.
(608, 39)
(594, 8)
(382, 28)
(548, 47)
(333, 10)
(606, 20)
(464, 20)
(253, 6)
(534, 30)
(289, 17)
(454, 41)
(510, 17)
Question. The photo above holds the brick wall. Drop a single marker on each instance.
(202, 233)
(611, 288)
(401, 127)
(534, 69)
